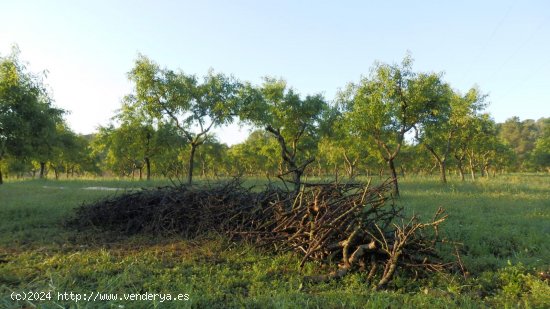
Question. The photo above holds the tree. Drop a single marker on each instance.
(43, 138)
(257, 154)
(521, 137)
(464, 142)
(389, 102)
(27, 117)
(170, 156)
(440, 137)
(111, 146)
(294, 122)
(414, 159)
(70, 152)
(480, 143)
(139, 131)
(341, 147)
(181, 100)
(211, 157)
(541, 153)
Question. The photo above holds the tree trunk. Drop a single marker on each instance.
(443, 171)
(350, 170)
(1, 179)
(148, 168)
(191, 164)
(140, 173)
(433, 168)
(350, 165)
(461, 171)
(472, 170)
(440, 161)
(394, 177)
(289, 157)
(296, 178)
(203, 167)
(42, 168)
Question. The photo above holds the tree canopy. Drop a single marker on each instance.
(393, 119)
(294, 122)
(180, 99)
(28, 118)
(390, 102)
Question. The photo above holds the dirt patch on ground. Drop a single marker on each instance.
(106, 188)
(93, 188)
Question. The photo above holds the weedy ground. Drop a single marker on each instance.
(501, 226)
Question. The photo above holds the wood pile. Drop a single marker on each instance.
(356, 226)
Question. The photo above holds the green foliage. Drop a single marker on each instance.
(514, 284)
(32, 130)
(169, 113)
(27, 117)
(71, 153)
(294, 122)
(443, 136)
(170, 146)
(180, 100)
(521, 137)
(285, 110)
(339, 149)
(258, 155)
(213, 158)
(541, 152)
(391, 101)
(127, 148)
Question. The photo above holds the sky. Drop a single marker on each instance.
(87, 47)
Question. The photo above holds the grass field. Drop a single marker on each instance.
(503, 224)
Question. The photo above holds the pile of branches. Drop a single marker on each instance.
(188, 211)
(355, 225)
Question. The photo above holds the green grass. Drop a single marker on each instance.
(503, 224)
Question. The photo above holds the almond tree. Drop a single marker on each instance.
(194, 107)
(441, 137)
(389, 103)
(28, 118)
(294, 122)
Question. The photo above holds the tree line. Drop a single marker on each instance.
(393, 119)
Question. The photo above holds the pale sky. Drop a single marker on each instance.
(317, 46)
